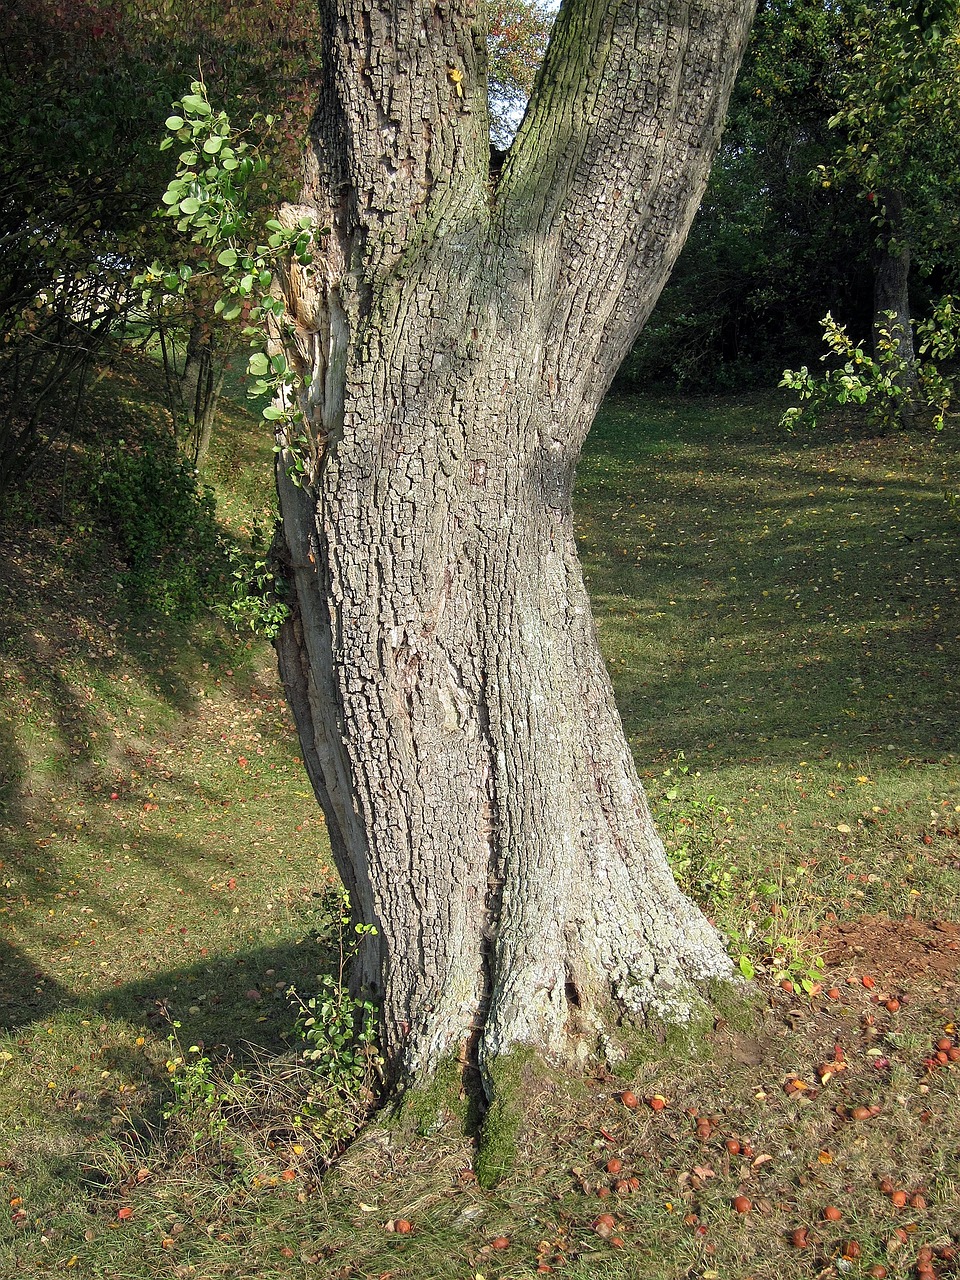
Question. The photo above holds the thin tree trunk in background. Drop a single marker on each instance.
(459, 331)
(891, 301)
(199, 389)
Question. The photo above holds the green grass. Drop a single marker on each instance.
(783, 613)
(781, 620)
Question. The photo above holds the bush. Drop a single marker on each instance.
(256, 590)
(889, 388)
(165, 525)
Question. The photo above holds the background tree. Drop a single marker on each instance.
(84, 86)
(898, 127)
(455, 335)
(835, 188)
(517, 38)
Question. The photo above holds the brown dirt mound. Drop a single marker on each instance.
(896, 953)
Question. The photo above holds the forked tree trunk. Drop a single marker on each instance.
(456, 718)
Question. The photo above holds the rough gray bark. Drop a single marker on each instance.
(459, 331)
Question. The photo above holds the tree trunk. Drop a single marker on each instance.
(457, 721)
(891, 302)
(200, 386)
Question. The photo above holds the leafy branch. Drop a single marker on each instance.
(884, 384)
(208, 196)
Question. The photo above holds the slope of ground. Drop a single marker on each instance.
(782, 620)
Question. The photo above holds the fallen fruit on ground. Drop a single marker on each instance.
(742, 1204)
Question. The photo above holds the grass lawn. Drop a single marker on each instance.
(781, 618)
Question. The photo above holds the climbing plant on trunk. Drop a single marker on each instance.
(455, 333)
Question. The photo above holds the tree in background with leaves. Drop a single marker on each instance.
(838, 174)
(897, 127)
(84, 85)
(769, 244)
(517, 38)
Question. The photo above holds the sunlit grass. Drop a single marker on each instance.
(780, 616)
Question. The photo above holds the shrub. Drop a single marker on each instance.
(165, 525)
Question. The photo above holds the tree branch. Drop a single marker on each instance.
(612, 158)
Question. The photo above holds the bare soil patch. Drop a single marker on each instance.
(903, 954)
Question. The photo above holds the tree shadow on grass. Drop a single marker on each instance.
(249, 1003)
(252, 1021)
(757, 593)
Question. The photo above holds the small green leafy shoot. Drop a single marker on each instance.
(208, 198)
